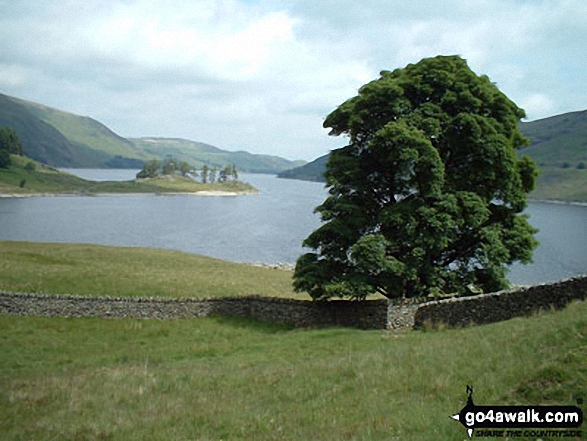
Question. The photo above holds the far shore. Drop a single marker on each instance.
(559, 201)
(205, 193)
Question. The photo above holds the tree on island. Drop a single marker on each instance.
(204, 174)
(9, 144)
(427, 197)
(5, 161)
(169, 166)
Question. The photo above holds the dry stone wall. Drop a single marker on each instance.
(371, 314)
(299, 313)
(499, 306)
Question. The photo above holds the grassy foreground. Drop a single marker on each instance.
(228, 379)
(121, 272)
(47, 180)
(232, 379)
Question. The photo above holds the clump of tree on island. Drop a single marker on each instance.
(9, 145)
(171, 166)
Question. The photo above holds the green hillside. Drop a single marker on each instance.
(62, 139)
(312, 171)
(198, 154)
(85, 131)
(43, 142)
(558, 141)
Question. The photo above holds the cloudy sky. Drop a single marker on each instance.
(262, 75)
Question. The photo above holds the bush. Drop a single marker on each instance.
(30, 167)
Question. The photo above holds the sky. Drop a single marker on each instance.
(262, 75)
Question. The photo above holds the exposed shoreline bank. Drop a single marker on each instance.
(559, 202)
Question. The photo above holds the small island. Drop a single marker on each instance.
(26, 177)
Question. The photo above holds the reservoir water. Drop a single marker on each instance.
(268, 227)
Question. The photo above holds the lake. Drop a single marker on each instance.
(268, 227)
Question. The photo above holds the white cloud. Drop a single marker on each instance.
(203, 36)
(540, 105)
(263, 75)
(12, 76)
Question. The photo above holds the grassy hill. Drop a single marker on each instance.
(28, 177)
(62, 139)
(312, 171)
(233, 379)
(558, 145)
(87, 132)
(43, 142)
(200, 154)
(558, 141)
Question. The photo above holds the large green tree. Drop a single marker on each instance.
(427, 196)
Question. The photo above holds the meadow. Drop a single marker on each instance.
(233, 379)
(135, 272)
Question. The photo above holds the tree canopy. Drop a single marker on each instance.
(9, 141)
(427, 197)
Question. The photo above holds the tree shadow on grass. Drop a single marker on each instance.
(253, 325)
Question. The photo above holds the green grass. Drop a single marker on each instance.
(213, 379)
(49, 180)
(114, 271)
(233, 379)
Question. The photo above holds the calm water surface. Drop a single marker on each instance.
(268, 227)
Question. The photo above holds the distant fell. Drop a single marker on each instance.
(557, 141)
(63, 139)
(199, 154)
(313, 171)
(41, 141)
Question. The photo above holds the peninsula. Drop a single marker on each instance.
(27, 177)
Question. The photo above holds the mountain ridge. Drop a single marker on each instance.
(63, 139)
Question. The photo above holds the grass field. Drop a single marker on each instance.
(122, 272)
(227, 379)
(49, 180)
(233, 379)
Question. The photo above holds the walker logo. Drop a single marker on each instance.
(514, 421)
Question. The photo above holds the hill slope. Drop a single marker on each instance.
(62, 139)
(558, 140)
(558, 145)
(41, 141)
(199, 153)
(312, 171)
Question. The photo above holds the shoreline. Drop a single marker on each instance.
(212, 193)
(559, 202)
(203, 193)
